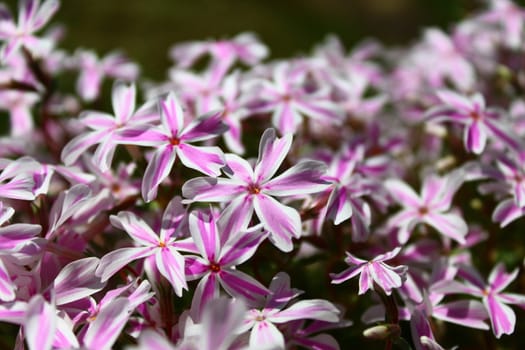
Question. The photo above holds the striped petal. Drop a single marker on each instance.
(111, 263)
(272, 152)
(207, 160)
(158, 169)
(237, 283)
(281, 221)
(302, 178)
(171, 265)
(77, 280)
(40, 324)
(266, 336)
(137, 228)
(108, 324)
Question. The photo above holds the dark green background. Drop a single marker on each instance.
(145, 29)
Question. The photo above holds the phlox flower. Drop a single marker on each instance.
(250, 189)
(287, 99)
(510, 17)
(16, 184)
(431, 207)
(372, 272)
(509, 176)
(345, 197)
(32, 16)
(165, 246)
(109, 130)
(278, 310)
(502, 318)
(218, 259)
(479, 121)
(244, 47)
(172, 138)
(216, 329)
(93, 70)
(105, 320)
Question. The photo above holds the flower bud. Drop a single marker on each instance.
(382, 332)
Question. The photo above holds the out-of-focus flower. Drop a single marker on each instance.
(32, 16)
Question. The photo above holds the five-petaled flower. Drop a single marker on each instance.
(373, 271)
(248, 190)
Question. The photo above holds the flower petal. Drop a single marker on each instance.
(137, 228)
(203, 228)
(402, 193)
(240, 168)
(499, 279)
(475, 137)
(79, 145)
(158, 169)
(313, 309)
(108, 324)
(171, 265)
(207, 160)
(77, 280)
(272, 151)
(502, 317)
(207, 289)
(469, 313)
(241, 246)
(208, 189)
(302, 178)
(451, 225)
(40, 324)
(282, 221)
(7, 287)
(346, 274)
(236, 216)
(204, 128)
(111, 263)
(123, 100)
(237, 283)
(266, 336)
(171, 114)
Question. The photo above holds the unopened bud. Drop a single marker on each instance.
(382, 332)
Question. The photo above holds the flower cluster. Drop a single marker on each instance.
(180, 215)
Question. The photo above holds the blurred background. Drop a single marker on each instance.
(145, 30)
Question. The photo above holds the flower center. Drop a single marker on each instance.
(286, 97)
(162, 244)
(115, 187)
(475, 115)
(423, 211)
(254, 189)
(214, 267)
(174, 141)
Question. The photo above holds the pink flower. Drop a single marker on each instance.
(373, 271)
(218, 260)
(432, 207)
(93, 70)
(502, 317)
(287, 98)
(248, 190)
(479, 121)
(172, 138)
(109, 130)
(31, 18)
(263, 322)
(165, 247)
